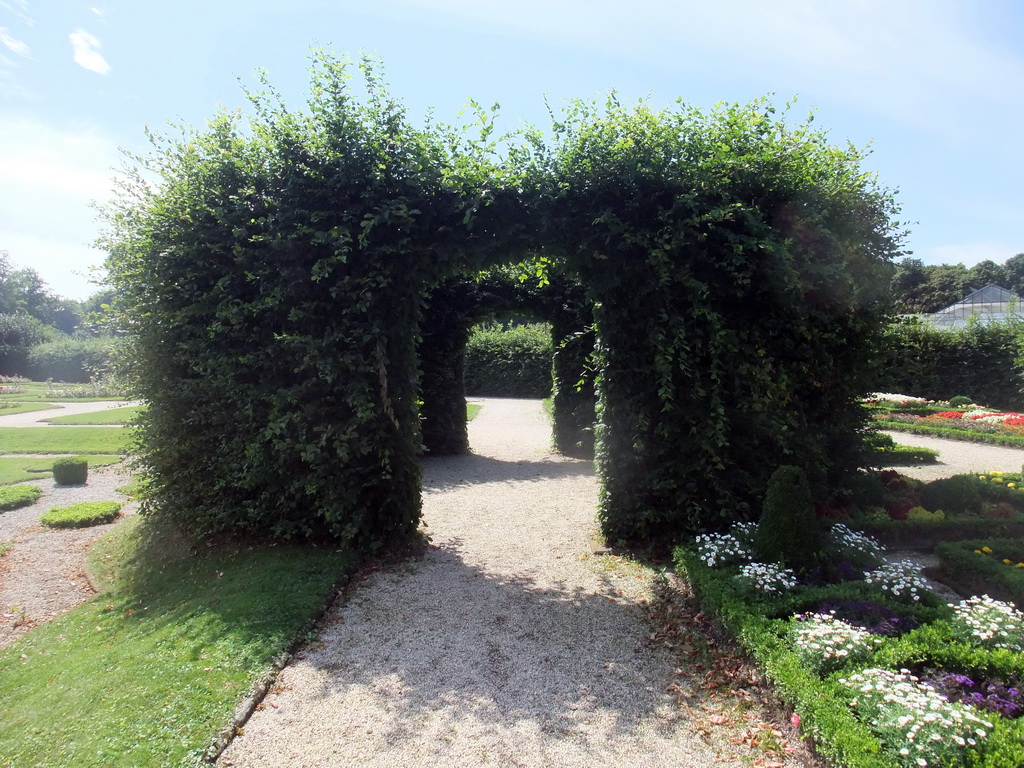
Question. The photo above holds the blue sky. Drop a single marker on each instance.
(936, 87)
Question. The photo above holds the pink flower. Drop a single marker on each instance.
(795, 720)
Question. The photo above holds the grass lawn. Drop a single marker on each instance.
(64, 439)
(472, 409)
(10, 407)
(151, 670)
(14, 469)
(112, 416)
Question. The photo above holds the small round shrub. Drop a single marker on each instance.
(960, 400)
(81, 515)
(16, 496)
(956, 495)
(69, 471)
(788, 531)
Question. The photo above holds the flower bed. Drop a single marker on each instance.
(968, 422)
(904, 512)
(940, 688)
(991, 565)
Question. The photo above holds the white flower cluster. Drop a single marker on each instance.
(824, 643)
(984, 415)
(745, 532)
(900, 579)
(767, 577)
(913, 720)
(721, 548)
(894, 398)
(855, 542)
(990, 623)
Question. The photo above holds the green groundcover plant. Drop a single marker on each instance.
(15, 496)
(81, 515)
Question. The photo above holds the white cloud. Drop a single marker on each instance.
(86, 51)
(12, 44)
(49, 178)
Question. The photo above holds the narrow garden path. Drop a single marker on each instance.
(509, 643)
(958, 457)
(42, 573)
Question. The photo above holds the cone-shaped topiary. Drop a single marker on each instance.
(788, 532)
(70, 471)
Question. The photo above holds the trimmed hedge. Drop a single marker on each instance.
(823, 704)
(70, 471)
(982, 361)
(273, 278)
(70, 360)
(512, 362)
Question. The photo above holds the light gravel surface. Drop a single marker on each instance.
(508, 644)
(35, 418)
(42, 574)
(957, 457)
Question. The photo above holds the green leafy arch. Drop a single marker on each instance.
(273, 276)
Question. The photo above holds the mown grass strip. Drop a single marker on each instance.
(111, 416)
(15, 469)
(8, 408)
(472, 409)
(64, 439)
(148, 673)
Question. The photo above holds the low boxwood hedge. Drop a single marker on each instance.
(824, 704)
(81, 515)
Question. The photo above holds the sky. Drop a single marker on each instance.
(935, 87)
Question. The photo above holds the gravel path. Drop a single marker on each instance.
(508, 644)
(957, 457)
(34, 418)
(42, 574)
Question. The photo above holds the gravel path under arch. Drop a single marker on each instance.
(507, 644)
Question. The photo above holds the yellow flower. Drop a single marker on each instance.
(1011, 485)
(986, 550)
(1019, 565)
(977, 551)
(995, 473)
(983, 477)
(1007, 561)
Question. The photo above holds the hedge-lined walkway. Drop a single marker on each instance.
(509, 644)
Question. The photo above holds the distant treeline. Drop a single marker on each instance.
(920, 288)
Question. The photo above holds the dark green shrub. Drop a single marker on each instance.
(70, 360)
(981, 358)
(19, 333)
(81, 515)
(70, 471)
(953, 495)
(15, 496)
(788, 531)
(513, 362)
(960, 400)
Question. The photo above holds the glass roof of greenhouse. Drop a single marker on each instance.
(986, 304)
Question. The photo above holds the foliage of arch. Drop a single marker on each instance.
(273, 280)
(457, 303)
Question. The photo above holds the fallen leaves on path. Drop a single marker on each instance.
(720, 690)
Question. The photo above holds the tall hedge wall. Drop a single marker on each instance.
(737, 267)
(984, 361)
(274, 282)
(274, 277)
